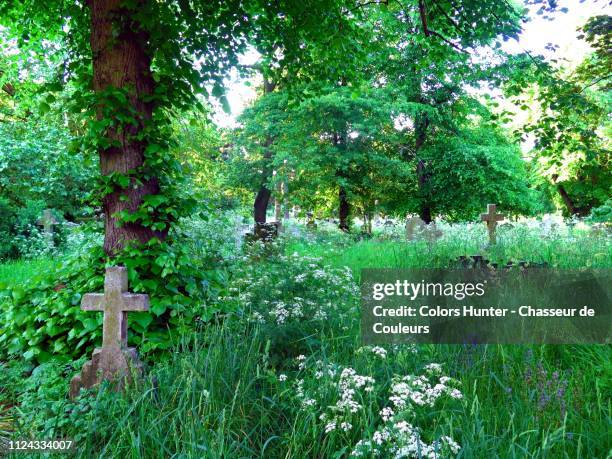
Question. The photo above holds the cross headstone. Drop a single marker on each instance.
(47, 221)
(431, 233)
(114, 360)
(491, 218)
(310, 221)
(414, 225)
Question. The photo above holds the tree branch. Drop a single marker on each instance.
(428, 32)
(595, 82)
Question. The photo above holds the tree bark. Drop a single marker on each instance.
(285, 191)
(568, 201)
(260, 207)
(344, 210)
(120, 60)
(421, 125)
(262, 199)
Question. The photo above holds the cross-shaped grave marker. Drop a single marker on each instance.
(47, 221)
(491, 218)
(414, 225)
(114, 359)
(115, 302)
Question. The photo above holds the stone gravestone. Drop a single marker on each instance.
(414, 227)
(114, 361)
(431, 233)
(266, 231)
(491, 218)
(310, 221)
(47, 221)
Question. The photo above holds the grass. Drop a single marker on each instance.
(573, 251)
(20, 272)
(219, 392)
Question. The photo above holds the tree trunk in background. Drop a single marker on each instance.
(344, 210)
(278, 211)
(262, 199)
(568, 201)
(420, 132)
(285, 191)
(260, 207)
(120, 60)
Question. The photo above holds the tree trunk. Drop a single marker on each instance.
(344, 209)
(260, 207)
(120, 60)
(421, 125)
(285, 191)
(262, 199)
(568, 201)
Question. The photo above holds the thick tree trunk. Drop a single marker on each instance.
(120, 61)
(344, 210)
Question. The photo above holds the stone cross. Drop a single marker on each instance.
(414, 224)
(47, 221)
(114, 360)
(491, 218)
(431, 233)
(115, 302)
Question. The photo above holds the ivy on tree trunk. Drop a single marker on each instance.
(121, 65)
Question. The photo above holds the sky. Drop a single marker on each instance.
(535, 36)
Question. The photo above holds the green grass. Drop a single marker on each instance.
(218, 393)
(22, 272)
(579, 251)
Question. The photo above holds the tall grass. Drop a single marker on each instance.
(568, 248)
(219, 397)
(20, 272)
(231, 390)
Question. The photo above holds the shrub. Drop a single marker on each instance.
(293, 298)
(44, 320)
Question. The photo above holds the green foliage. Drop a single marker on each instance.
(42, 319)
(569, 120)
(476, 167)
(38, 171)
(602, 214)
(325, 397)
(36, 164)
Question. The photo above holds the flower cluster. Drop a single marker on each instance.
(403, 440)
(347, 399)
(398, 437)
(294, 289)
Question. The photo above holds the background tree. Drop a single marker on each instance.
(145, 59)
(569, 122)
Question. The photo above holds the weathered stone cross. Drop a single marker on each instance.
(114, 360)
(116, 302)
(47, 221)
(491, 218)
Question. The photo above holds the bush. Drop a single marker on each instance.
(601, 214)
(292, 298)
(45, 320)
